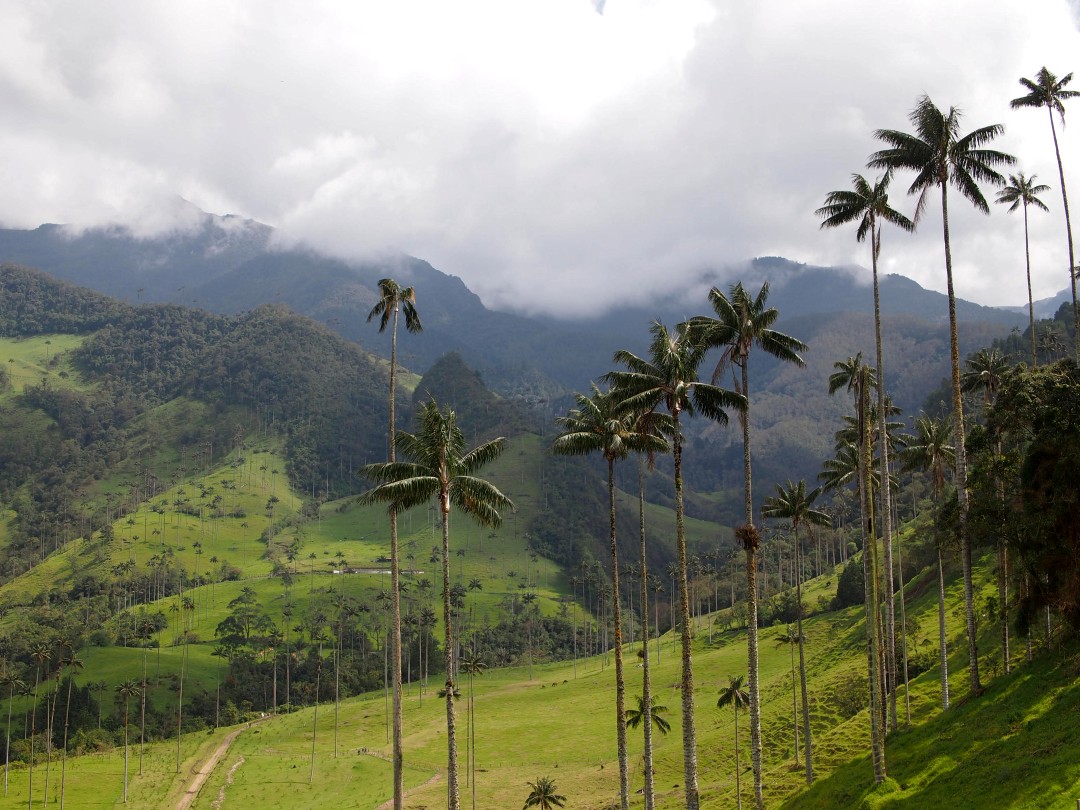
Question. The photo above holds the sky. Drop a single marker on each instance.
(557, 155)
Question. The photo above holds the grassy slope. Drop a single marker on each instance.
(1016, 744)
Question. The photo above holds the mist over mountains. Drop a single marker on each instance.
(228, 265)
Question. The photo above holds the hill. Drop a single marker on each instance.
(231, 266)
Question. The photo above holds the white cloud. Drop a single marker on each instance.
(532, 147)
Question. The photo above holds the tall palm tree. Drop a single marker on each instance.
(869, 206)
(929, 449)
(658, 425)
(984, 372)
(10, 678)
(601, 424)
(394, 300)
(439, 467)
(734, 695)
(1047, 90)
(650, 714)
(942, 157)
(668, 380)
(1023, 191)
(126, 691)
(742, 322)
(791, 638)
(855, 376)
(795, 504)
(543, 795)
(473, 666)
(74, 665)
(41, 655)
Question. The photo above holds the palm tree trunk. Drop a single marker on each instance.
(453, 795)
(620, 684)
(646, 680)
(690, 765)
(751, 601)
(886, 504)
(961, 457)
(738, 767)
(1031, 302)
(943, 650)
(802, 662)
(877, 748)
(1068, 233)
(395, 572)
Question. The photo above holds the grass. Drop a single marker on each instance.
(31, 359)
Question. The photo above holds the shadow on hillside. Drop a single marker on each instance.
(1015, 746)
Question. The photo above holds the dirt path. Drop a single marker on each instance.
(390, 802)
(207, 768)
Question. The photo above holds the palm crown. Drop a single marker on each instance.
(1046, 90)
(940, 156)
(866, 204)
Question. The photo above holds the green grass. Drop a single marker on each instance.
(31, 359)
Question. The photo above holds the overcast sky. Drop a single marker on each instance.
(551, 156)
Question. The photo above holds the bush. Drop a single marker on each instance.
(849, 585)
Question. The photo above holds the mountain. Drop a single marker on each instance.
(1044, 307)
(229, 265)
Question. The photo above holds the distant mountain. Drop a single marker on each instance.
(229, 265)
(1044, 307)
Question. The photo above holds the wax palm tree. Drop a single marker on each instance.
(858, 378)
(869, 206)
(929, 449)
(651, 714)
(600, 424)
(792, 639)
(795, 504)
(742, 322)
(734, 695)
(658, 425)
(984, 372)
(668, 380)
(393, 301)
(9, 678)
(41, 655)
(126, 691)
(1047, 90)
(1023, 191)
(543, 795)
(473, 666)
(440, 467)
(74, 665)
(941, 157)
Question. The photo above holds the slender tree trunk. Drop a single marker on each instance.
(620, 683)
(690, 765)
(961, 458)
(903, 628)
(646, 679)
(453, 795)
(142, 714)
(63, 761)
(738, 767)
(125, 750)
(886, 504)
(942, 644)
(1031, 301)
(794, 698)
(802, 663)
(395, 572)
(315, 719)
(877, 747)
(751, 545)
(1068, 233)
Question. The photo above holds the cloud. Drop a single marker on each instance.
(553, 158)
